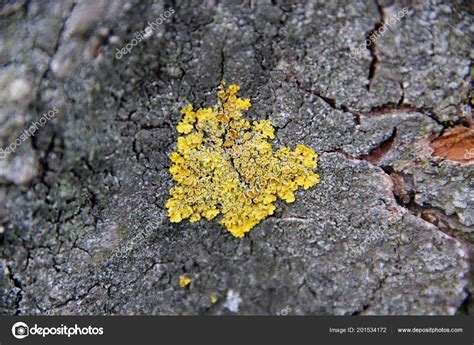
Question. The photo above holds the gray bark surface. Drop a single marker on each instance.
(84, 228)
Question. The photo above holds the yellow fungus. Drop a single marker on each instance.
(233, 89)
(184, 281)
(222, 118)
(233, 135)
(214, 299)
(221, 94)
(224, 164)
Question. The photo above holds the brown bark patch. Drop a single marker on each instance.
(457, 144)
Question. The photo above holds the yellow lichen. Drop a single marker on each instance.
(224, 164)
(214, 298)
(184, 281)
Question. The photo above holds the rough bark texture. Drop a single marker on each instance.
(389, 230)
